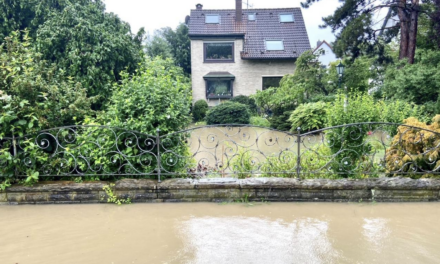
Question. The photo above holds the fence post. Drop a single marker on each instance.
(14, 152)
(159, 164)
(298, 162)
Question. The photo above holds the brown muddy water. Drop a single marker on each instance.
(220, 233)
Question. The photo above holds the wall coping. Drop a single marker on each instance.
(224, 189)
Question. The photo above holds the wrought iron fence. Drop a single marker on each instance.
(353, 150)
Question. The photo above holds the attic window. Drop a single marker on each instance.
(212, 19)
(274, 45)
(286, 18)
(252, 17)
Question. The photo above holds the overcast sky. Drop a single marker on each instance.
(156, 14)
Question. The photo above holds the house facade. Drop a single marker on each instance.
(238, 52)
(327, 56)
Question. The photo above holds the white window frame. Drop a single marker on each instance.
(287, 14)
(282, 43)
(252, 14)
(212, 15)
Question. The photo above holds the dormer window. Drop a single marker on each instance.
(274, 45)
(286, 18)
(212, 19)
(252, 17)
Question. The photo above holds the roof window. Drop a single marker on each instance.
(212, 19)
(274, 45)
(286, 18)
(252, 17)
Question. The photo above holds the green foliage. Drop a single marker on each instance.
(418, 83)
(90, 45)
(180, 45)
(157, 46)
(309, 116)
(157, 96)
(112, 198)
(35, 95)
(246, 100)
(260, 121)
(228, 113)
(199, 110)
(242, 163)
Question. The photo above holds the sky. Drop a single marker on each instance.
(156, 14)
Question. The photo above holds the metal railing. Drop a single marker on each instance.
(352, 150)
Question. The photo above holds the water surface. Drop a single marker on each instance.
(214, 233)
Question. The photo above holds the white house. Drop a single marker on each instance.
(328, 55)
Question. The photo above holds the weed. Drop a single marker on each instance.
(112, 198)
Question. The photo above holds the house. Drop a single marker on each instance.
(327, 56)
(238, 52)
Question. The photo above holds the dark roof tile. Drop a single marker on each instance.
(266, 27)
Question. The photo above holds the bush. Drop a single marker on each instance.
(246, 100)
(415, 150)
(280, 116)
(309, 116)
(34, 94)
(228, 113)
(260, 121)
(199, 110)
(157, 96)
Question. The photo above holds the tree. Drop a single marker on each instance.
(418, 83)
(29, 14)
(156, 96)
(358, 35)
(90, 45)
(156, 46)
(34, 94)
(180, 46)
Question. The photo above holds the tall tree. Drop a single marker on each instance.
(90, 45)
(357, 31)
(180, 46)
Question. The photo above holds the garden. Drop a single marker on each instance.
(75, 110)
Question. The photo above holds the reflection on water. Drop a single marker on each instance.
(256, 240)
(211, 233)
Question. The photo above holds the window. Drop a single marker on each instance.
(252, 17)
(286, 18)
(212, 19)
(271, 82)
(274, 45)
(219, 52)
(218, 88)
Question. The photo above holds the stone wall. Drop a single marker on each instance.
(248, 73)
(228, 190)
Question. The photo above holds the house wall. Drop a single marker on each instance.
(328, 55)
(248, 73)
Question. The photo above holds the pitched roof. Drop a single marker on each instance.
(321, 43)
(267, 26)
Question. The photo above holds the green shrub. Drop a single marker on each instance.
(260, 121)
(199, 110)
(279, 118)
(246, 100)
(309, 116)
(157, 96)
(228, 113)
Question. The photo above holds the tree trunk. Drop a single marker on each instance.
(413, 31)
(404, 29)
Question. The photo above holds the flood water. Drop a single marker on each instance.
(220, 233)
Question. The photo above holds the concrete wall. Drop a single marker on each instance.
(228, 190)
(248, 73)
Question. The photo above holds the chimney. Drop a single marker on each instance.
(199, 6)
(238, 10)
(318, 43)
